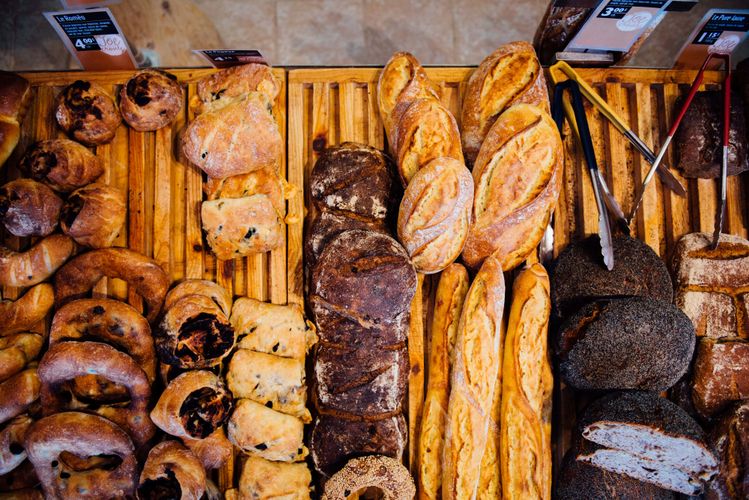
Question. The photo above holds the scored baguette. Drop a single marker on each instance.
(490, 477)
(451, 292)
(476, 365)
(527, 383)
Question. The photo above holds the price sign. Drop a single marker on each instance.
(94, 38)
(224, 58)
(720, 30)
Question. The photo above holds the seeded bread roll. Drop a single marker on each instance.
(631, 343)
(578, 275)
(379, 473)
(730, 440)
(720, 375)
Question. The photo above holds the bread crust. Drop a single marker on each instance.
(265, 181)
(93, 215)
(231, 83)
(207, 288)
(213, 451)
(170, 467)
(62, 164)
(18, 393)
(15, 97)
(509, 75)
(720, 374)
(16, 351)
(151, 100)
(382, 473)
(265, 480)
(258, 430)
(730, 440)
(12, 453)
(88, 113)
(28, 310)
(509, 215)
(21, 269)
(29, 208)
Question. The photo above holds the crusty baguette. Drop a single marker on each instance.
(517, 177)
(28, 310)
(35, 264)
(509, 75)
(490, 478)
(477, 361)
(527, 382)
(451, 292)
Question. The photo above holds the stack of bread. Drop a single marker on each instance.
(235, 140)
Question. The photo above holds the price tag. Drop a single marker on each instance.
(94, 38)
(225, 58)
(616, 24)
(720, 31)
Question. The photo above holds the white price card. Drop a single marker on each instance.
(720, 30)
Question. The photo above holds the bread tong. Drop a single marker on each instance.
(605, 201)
(720, 214)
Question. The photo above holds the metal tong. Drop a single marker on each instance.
(720, 214)
(604, 199)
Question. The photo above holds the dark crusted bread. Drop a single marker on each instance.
(648, 438)
(730, 441)
(578, 275)
(334, 440)
(354, 178)
(629, 343)
(721, 374)
(699, 139)
(368, 383)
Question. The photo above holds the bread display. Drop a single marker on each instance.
(87, 113)
(12, 452)
(29, 208)
(517, 177)
(62, 164)
(651, 341)
(94, 215)
(720, 374)
(15, 97)
(510, 75)
(36, 264)
(84, 436)
(476, 369)
(23, 313)
(171, 471)
(648, 438)
(264, 479)
(16, 351)
(578, 275)
(435, 214)
(150, 100)
(377, 472)
(730, 441)
(699, 139)
(527, 383)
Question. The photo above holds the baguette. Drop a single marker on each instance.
(476, 366)
(28, 310)
(490, 477)
(508, 76)
(517, 177)
(35, 264)
(527, 383)
(451, 293)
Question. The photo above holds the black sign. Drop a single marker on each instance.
(719, 23)
(617, 9)
(232, 57)
(82, 27)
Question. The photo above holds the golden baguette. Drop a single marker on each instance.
(490, 483)
(525, 424)
(476, 365)
(451, 292)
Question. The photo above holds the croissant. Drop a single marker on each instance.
(62, 164)
(29, 208)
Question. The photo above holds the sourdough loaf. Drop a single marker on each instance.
(720, 375)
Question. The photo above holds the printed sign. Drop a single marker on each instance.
(616, 24)
(94, 38)
(225, 58)
(719, 31)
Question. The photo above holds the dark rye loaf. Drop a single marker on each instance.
(630, 343)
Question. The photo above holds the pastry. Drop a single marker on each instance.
(730, 441)
(652, 343)
(451, 292)
(275, 329)
(578, 274)
(527, 383)
(23, 313)
(143, 274)
(18, 393)
(210, 289)
(517, 177)
(194, 333)
(265, 181)
(425, 131)
(62, 164)
(81, 435)
(435, 214)
(171, 471)
(150, 100)
(21, 269)
(239, 227)
(261, 431)
(720, 374)
(212, 451)
(476, 369)
(240, 137)
(65, 361)
(16, 351)
(510, 75)
(234, 83)
(15, 97)
(93, 215)
(384, 474)
(87, 113)
(12, 452)
(265, 480)
(648, 438)
(29, 208)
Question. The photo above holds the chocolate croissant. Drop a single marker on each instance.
(88, 113)
(62, 164)
(29, 208)
(150, 100)
(93, 215)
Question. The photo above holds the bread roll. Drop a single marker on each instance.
(517, 177)
(266, 433)
(477, 363)
(94, 215)
(265, 181)
(171, 471)
(12, 452)
(435, 214)
(35, 264)
(207, 288)
(262, 479)
(151, 99)
(382, 474)
(26, 311)
(29, 208)
(228, 84)
(451, 292)
(527, 383)
(62, 164)
(508, 76)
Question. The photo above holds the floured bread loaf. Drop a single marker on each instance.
(720, 374)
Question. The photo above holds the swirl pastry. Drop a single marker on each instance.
(93, 215)
(150, 100)
(88, 113)
(62, 164)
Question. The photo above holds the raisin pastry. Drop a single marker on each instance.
(171, 471)
(93, 215)
(233, 83)
(265, 479)
(150, 100)
(266, 433)
(88, 113)
(62, 164)
(29, 208)
(265, 181)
